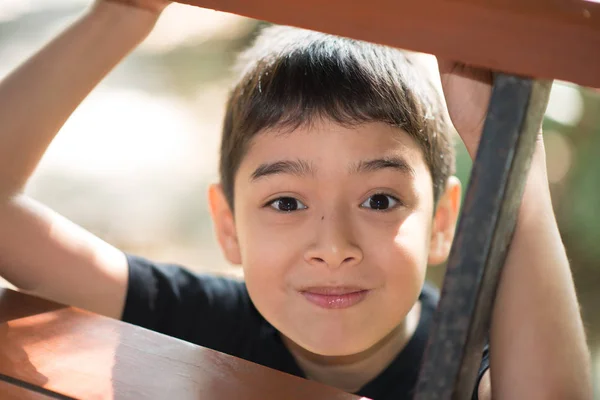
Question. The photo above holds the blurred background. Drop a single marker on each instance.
(133, 163)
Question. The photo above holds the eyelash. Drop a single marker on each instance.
(398, 203)
(271, 202)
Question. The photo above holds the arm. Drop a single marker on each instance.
(537, 341)
(40, 251)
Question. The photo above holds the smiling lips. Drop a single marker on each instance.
(335, 297)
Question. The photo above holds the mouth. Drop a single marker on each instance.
(335, 297)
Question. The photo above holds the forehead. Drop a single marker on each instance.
(329, 145)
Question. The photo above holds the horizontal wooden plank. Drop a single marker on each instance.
(83, 355)
(551, 39)
(15, 305)
(8, 391)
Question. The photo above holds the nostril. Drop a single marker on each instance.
(348, 259)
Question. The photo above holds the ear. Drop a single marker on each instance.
(224, 224)
(444, 222)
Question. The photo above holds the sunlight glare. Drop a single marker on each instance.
(188, 25)
(124, 132)
(565, 105)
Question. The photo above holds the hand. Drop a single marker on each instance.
(467, 91)
(155, 6)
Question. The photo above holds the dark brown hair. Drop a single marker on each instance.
(291, 77)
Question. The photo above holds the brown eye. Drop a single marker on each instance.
(380, 202)
(287, 204)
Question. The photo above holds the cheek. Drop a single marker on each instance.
(271, 253)
(268, 252)
(264, 242)
(413, 239)
(401, 255)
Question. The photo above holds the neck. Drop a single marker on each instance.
(350, 373)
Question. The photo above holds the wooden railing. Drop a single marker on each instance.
(51, 351)
(545, 39)
(520, 39)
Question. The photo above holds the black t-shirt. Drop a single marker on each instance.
(217, 313)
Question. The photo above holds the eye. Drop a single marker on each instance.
(286, 204)
(381, 202)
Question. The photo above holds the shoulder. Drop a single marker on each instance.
(203, 309)
(429, 297)
(173, 284)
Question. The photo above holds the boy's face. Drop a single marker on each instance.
(334, 228)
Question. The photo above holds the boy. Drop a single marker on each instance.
(335, 194)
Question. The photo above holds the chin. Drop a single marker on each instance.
(336, 346)
(338, 351)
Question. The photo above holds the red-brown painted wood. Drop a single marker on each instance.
(12, 392)
(14, 305)
(552, 39)
(83, 355)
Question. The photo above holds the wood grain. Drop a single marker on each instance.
(83, 355)
(551, 39)
(15, 305)
(13, 392)
(483, 235)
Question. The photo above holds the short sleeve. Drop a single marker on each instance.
(205, 310)
(483, 367)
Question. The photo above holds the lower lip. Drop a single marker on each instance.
(336, 301)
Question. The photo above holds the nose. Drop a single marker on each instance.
(334, 244)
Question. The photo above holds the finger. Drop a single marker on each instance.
(445, 66)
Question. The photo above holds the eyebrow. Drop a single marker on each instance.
(302, 168)
(293, 167)
(397, 163)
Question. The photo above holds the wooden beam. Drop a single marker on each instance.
(12, 388)
(550, 39)
(51, 351)
(483, 238)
